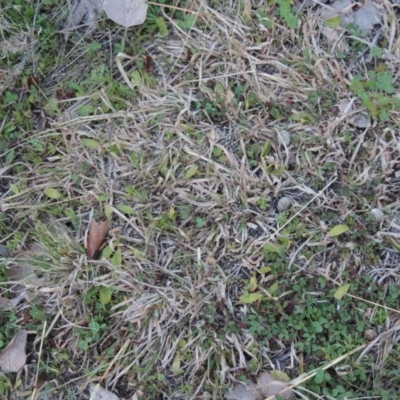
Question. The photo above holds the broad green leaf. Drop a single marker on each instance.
(53, 193)
(126, 209)
(280, 375)
(341, 291)
(106, 252)
(252, 286)
(274, 248)
(116, 260)
(191, 171)
(105, 295)
(249, 298)
(319, 377)
(171, 213)
(136, 77)
(273, 287)
(338, 230)
(176, 365)
(265, 270)
(217, 151)
(14, 188)
(108, 211)
(333, 22)
(91, 143)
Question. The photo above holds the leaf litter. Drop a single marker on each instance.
(97, 234)
(267, 386)
(13, 357)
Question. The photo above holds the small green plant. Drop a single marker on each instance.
(288, 13)
(377, 93)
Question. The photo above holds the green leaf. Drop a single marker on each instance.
(106, 252)
(200, 222)
(338, 230)
(162, 26)
(333, 22)
(53, 193)
(116, 261)
(249, 298)
(341, 291)
(126, 209)
(377, 51)
(274, 248)
(105, 295)
(91, 143)
(273, 287)
(14, 188)
(191, 171)
(253, 284)
(176, 365)
(217, 151)
(319, 377)
(265, 270)
(108, 211)
(280, 375)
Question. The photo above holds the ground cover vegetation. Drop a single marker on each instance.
(242, 164)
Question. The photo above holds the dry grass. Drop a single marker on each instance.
(194, 150)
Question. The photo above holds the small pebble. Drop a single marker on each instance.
(370, 334)
(284, 203)
(377, 214)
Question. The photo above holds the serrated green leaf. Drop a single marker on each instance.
(53, 193)
(126, 209)
(249, 298)
(333, 22)
(341, 291)
(338, 230)
(105, 295)
(91, 143)
(116, 260)
(191, 171)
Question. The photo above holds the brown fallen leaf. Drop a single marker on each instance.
(97, 233)
(13, 357)
(99, 393)
(5, 303)
(268, 386)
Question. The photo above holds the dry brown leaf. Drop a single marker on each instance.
(270, 385)
(83, 12)
(97, 233)
(5, 303)
(99, 393)
(126, 12)
(266, 387)
(13, 357)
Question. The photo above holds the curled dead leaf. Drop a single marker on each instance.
(97, 234)
(13, 357)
